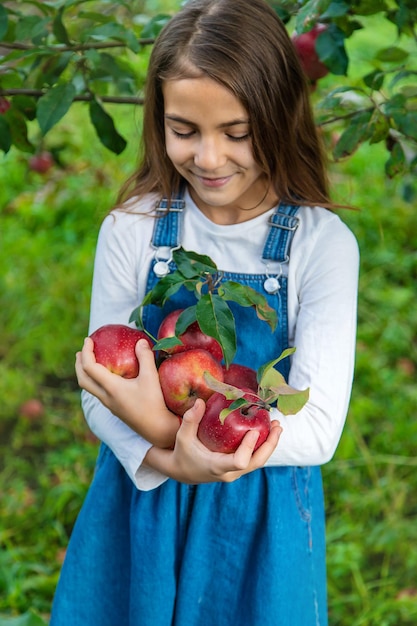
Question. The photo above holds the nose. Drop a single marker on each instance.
(209, 154)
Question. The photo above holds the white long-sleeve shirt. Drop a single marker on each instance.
(322, 296)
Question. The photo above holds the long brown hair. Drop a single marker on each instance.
(244, 46)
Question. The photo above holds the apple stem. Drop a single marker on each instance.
(211, 283)
(261, 404)
(149, 335)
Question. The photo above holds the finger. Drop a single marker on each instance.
(88, 357)
(84, 381)
(146, 358)
(262, 454)
(243, 454)
(192, 418)
(92, 376)
(194, 415)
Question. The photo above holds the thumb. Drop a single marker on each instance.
(145, 355)
(194, 415)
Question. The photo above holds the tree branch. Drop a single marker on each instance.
(38, 93)
(98, 45)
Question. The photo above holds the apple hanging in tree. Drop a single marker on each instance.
(4, 105)
(41, 162)
(114, 347)
(305, 45)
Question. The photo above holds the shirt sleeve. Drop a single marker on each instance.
(119, 268)
(324, 334)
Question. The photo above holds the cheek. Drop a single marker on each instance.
(244, 155)
(177, 151)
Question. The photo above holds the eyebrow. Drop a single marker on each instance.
(182, 120)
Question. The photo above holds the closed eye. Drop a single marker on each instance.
(182, 135)
(239, 138)
(190, 133)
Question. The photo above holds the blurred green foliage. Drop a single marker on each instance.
(49, 225)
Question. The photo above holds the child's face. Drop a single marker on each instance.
(207, 136)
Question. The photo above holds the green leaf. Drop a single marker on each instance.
(216, 320)
(19, 130)
(187, 317)
(193, 265)
(32, 28)
(403, 74)
(154, 26)
(237, 404)
(263, 370)
(230, 392)
(53, 105)
(395, 105)
(407, 124)
(396, 162)
(25, 105)
(105, 128)
(293, 401)
(358, 131)
(337, 8)
(59, 29)
(53, 67)
(164, 289)
(271, 379)
(5, 135)
(4, 22)
(392, 54)
(112, 30)
(167, 343)
(380, 129)
(246, 296)
(136, 316)
(330, 47)
(374, 80)
(308, 14)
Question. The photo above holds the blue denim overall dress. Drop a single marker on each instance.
(247, 553)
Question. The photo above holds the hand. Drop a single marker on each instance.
(139, 402)
(191, 462)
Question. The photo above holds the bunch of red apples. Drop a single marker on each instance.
(189, 367)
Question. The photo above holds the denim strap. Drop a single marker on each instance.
(166, 232)
(283, 224)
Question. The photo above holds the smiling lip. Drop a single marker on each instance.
(214, 182)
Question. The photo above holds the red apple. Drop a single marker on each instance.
(226, 437)
(41, 162)
(114, 347)
(32, 409)
(4, 105)
(305, 44)
(182, 378)
(192, 338)
(240, 376)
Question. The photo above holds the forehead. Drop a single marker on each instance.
(201, 99)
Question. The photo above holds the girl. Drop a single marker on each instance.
(170, 533)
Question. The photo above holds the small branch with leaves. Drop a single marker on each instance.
(199, 274)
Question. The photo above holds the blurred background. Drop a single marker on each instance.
(57, 184)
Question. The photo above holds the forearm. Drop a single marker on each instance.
(160, 429)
